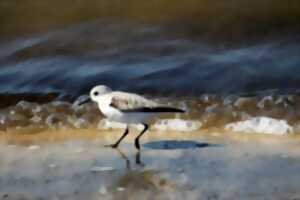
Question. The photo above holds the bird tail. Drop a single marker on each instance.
(168, 109)
(155, 110)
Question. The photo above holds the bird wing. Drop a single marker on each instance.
(128, 101)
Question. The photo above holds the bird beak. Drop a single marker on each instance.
(84, 101)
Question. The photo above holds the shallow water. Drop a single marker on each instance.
(229, 168)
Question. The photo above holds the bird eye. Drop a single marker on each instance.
(96, 93)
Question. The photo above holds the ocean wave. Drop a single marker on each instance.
(141, 57)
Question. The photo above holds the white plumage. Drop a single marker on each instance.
(127, 108)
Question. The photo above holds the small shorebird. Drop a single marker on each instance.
(128, 108)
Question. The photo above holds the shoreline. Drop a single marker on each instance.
(19, 136)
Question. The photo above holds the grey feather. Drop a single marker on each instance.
(129, 101)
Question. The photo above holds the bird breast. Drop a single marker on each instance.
(109, 112)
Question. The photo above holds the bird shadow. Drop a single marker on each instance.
(178, 144)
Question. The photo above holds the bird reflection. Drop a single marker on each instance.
(138, 160)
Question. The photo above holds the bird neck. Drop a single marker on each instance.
(106, 109)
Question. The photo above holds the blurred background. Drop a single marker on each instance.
(161, 47)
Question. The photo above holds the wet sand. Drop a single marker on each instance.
(74, 164)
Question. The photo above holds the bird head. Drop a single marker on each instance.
(96, 92)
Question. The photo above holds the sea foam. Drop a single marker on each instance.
(264, 125)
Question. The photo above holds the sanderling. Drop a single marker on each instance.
(128, 108)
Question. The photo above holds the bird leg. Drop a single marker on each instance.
(115, 145)
(136, 141)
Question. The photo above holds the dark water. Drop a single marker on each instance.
(160, 47)
(148, 59)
